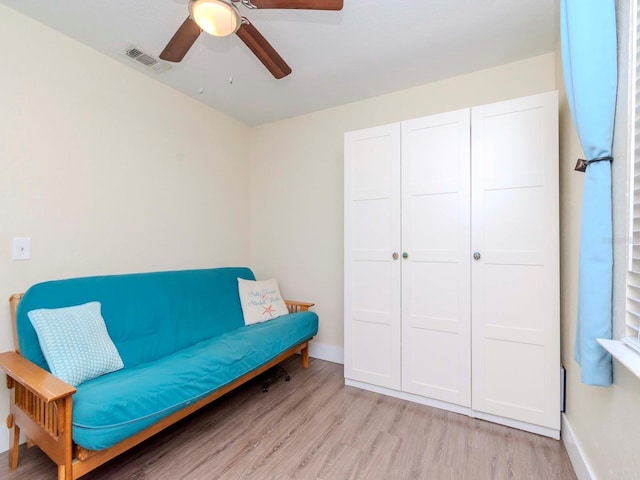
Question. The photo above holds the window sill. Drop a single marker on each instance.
(627, 356)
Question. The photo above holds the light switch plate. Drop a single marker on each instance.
(21, 248)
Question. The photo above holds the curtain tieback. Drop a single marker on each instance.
(582, 164)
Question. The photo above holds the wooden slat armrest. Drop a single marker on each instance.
(36, 379)
(294, 306)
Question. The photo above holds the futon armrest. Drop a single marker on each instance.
(294, 306)
(34, 378)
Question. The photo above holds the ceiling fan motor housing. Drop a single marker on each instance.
(215, 17)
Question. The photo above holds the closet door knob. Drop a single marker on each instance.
(395, 255)
(476, 255)
(405, 255)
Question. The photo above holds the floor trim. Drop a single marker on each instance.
(576, 454)
(329, 353)
(4, 439)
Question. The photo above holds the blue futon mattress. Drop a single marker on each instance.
(108, 409)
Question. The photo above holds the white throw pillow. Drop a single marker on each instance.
(260, 300)
(75, 342)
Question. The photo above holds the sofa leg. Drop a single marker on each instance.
(14, 441)
(64, 473)
(305, 355)
(65, 470)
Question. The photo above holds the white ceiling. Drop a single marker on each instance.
(369, 48)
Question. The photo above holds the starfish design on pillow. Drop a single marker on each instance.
(268, 309)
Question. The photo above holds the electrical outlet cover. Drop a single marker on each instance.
(21, 248)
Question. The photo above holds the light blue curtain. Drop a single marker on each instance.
(589, 60)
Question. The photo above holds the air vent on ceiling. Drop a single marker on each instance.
(145, 59)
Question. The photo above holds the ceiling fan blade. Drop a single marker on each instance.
(303, 4)
(263, 49)
(181, 41)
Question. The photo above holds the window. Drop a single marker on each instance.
(632, 335)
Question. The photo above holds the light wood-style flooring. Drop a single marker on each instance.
(315, 427)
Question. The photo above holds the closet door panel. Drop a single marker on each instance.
(435, 274)
(523, 286)
(510, 232)
(434, 236)
(511, 388)
(370, 235)
(372, 276)
(515, 293)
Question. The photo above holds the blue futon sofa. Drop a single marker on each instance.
(183, 342)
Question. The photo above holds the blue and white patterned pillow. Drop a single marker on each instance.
(75, 342)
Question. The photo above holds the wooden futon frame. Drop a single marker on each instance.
(41, 407)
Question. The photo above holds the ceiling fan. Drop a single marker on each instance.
(222, 18)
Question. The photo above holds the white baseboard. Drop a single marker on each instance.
(329, 353)
(4, 439)
(576, 455)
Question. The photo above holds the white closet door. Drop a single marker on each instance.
(436, 291)
(515, 283)
(372, 275)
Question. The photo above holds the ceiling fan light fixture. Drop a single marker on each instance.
(216, 17)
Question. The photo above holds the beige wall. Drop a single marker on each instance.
(297, 179)
(603, 420)
(107, 171)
